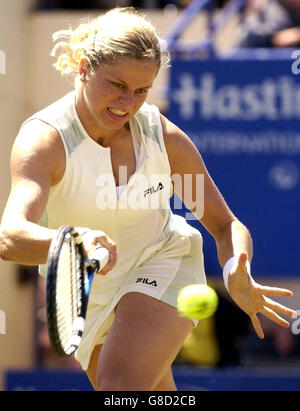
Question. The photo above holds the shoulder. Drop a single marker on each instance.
(36, 133)
(38, 145)
(178, 145)
(174, 137)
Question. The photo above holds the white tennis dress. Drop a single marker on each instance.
(158, 252)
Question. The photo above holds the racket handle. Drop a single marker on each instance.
(101, 254)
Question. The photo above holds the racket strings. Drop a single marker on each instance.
(68, 291)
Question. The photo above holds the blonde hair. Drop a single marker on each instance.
(120, 32)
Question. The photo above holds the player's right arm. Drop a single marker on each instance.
(37, 163)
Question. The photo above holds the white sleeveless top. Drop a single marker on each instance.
(137, 215)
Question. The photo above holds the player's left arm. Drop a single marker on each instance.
(231, 236)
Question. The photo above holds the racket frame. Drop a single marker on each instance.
(87, 269)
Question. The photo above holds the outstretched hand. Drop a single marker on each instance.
(252, 297)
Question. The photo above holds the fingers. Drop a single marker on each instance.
(257, 326)
(111, 263)
(242, 262)
(242, 259)
(106, 242)
(275, 317)
(274, 291)
(253, 299)
(92, 239)
(112, 259)
(271, 308)
(268, 310)
(281, 309)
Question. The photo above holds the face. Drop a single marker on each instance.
(114, 93)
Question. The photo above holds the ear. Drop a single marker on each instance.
(83, 69)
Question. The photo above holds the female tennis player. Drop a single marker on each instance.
(103, 160)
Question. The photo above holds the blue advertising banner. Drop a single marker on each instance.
(244, 117)
(187, 378)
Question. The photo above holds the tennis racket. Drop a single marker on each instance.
(69, 279)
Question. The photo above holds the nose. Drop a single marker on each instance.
(127, 98)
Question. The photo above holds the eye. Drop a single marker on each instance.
(141, 90)
(117, 85)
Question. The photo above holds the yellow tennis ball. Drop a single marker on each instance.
(197, 301)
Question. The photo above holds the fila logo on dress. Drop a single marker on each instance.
(152, 189)
(147, 281)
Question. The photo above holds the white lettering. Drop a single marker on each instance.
(2, 322)
(252, 102)
(205, 95)
(186, 96)
(295, 328)
(2, 62)
(295, 65)
(269, 94)
(136, 198)
(272, 99)
(286, 90)
(106, 196)
(228, 103)
(152, 193)
(267, 142)
(195, 205)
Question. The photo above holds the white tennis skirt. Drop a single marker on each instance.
(179, 262)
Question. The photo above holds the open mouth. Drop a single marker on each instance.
(116, 112)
